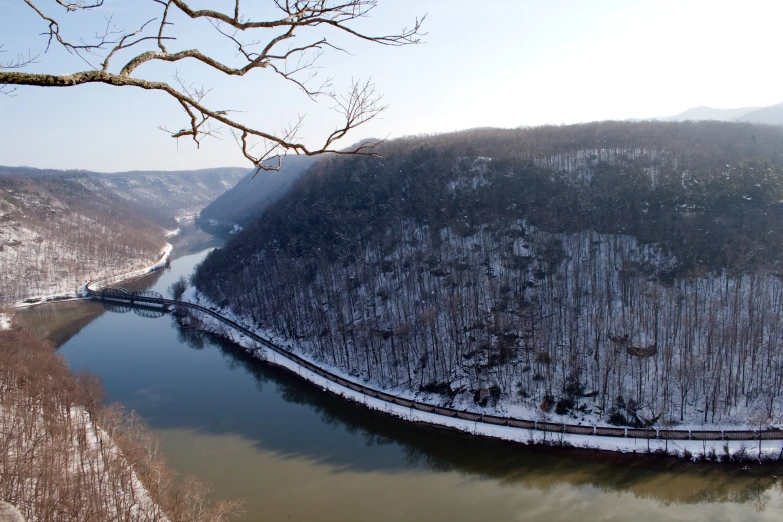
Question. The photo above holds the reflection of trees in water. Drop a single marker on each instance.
(756, 493)
(663, 480)
(193, 338)
(58, 322)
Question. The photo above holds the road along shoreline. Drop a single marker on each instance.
(82, 293)
(715, 444)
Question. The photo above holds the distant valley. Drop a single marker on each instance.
(247, 200)
(170, 195)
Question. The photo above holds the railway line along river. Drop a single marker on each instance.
(297, 453)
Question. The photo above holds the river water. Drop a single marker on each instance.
(295, 453)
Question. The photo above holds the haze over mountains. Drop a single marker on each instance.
(772, 115)
(247, 200)
(165, 195)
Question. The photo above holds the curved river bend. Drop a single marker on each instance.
(296, 453)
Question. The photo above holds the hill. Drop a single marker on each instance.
(164, 195)
(772, 115)
(247, 200)
(609, 272)
(56, 231)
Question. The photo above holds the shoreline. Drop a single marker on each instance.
(82, 292)
(722, 447)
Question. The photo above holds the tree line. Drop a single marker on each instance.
(65, 455)
(626, 271)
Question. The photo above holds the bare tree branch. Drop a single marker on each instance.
(297, 64)
(18, 63)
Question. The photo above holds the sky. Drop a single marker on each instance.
(489, 63)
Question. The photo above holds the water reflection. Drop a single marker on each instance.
(664, 480)
(297, 453)
(59, 322)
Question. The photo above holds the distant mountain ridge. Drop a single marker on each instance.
(165, 195)
(772, 115)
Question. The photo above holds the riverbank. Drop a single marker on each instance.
(713, 445)
(259, 432)
(57, 459)
(68, 451)
(100, 279)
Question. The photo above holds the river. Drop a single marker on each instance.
(295, 453)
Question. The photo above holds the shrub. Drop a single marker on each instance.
(564, 405)
(546, 403)
(178, 287)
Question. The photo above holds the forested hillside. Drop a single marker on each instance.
(174, 194)
(57, 231)
(67, 456)
(616, 272)
(247, 200)
(164, 195)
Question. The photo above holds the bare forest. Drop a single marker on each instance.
(67, 457)
(56, 232)
(622, 273)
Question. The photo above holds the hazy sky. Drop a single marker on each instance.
(501, 63)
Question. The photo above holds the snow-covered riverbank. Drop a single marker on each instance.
(715, 450)
(102, 278)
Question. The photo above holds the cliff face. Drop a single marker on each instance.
(616, 272)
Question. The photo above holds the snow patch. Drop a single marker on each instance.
(172, 233)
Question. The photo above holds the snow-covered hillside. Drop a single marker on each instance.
(56, 232)
(623, 284)
(179, 194)
(164, 195)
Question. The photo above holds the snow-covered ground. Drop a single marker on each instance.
(718, 449)
(93, 459)
(100, 281)
(102, 278)
(5, 321)
(43, 260)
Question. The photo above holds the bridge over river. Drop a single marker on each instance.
(154, 299)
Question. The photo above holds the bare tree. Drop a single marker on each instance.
(279, 44)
